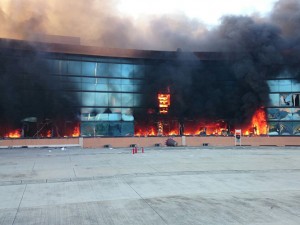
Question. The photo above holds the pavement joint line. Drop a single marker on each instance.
(33, 166)
(144, 200)
(18, 209)
(254, 196)
(153, 168)
(74, 172)
(178, 173)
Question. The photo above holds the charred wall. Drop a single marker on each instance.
(30, 93)
(209, 90)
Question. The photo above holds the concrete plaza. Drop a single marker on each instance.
(176, 186)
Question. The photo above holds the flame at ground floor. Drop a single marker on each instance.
(159, 125)
(165, 126)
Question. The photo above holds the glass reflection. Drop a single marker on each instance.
(114, 99)
(281, 128)
(285, 85)
(102, 69)
(127, 70)
(114, 70)
(137, 99)
(88, 98)
(295, 86)
(128, 88)
(127, 81)
(101, 99)
(112, 87)
(127, 100)
(273, 85)
(274, 100)
(140, 70)
(283, 113)
(74, 68)
(290, 99)
(88, 87)
(296, 130)
(88, 69)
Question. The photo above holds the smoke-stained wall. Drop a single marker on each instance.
(206, 90)
(27, 90)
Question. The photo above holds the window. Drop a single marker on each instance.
(127, 100)
(285, 85)
(114, 70)
(273, 85)
(88, 68)
(290, 99)
(115, 99)
(101, 99)
(127, 70)
(137, 99)
(274, 100)
(295, 86)
(74, 68)
(102, 69)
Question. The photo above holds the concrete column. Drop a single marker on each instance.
(183, 140)
(81, 142)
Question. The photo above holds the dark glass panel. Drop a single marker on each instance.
(88, 68)
(127, 70)
(74, 67)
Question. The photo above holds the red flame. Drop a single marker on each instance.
(258, 124)
(172, 128)
(14, 134)
(49, 133)
(76, 132)
(163, 103)
(146, 131)
(173, 133)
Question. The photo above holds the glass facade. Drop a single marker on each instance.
(108, 89)
(283, 111)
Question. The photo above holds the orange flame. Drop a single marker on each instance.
(172, 128)
(173, 132)
(145, 131)
(163, 103)
(76, 132)
(14, 134)
(49, 133)
(259, 121)
(258, 124)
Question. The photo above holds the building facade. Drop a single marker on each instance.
(283, 112)
(101, 92)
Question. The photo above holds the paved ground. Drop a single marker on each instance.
(162, 186)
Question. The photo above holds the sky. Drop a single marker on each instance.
(207, 11)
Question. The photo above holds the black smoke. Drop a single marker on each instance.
(252, 50)
(28, 91)
(286, 16)
(207, 90)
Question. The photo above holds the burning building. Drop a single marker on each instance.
(65, 90)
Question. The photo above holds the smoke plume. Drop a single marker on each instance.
(97, 23)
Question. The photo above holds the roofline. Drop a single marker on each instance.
(106, 52)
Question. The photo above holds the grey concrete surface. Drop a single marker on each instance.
(178, 186)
